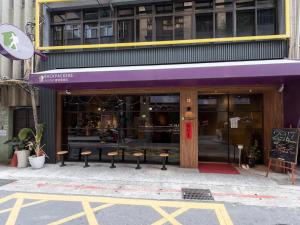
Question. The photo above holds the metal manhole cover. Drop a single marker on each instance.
(5, 182)
(197, 194)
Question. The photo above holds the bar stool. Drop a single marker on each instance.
(86, 155)
(138, 155)
(164, 159)
(112, 155)
(62, 154)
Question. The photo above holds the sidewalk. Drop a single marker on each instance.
(251, 187)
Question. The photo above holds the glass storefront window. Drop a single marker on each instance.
(245, 3)
(106, 32)
(73, 34)
(90, 15)
(125, 31)
(204, 4)
(58, 35)
(183, 6)
(224, 24)
(144, 29)
(91, 33)
(204, 25)
(266, 24)
(179, 20)
(128, 122)
(164, 28)
(245, 23)
(183, 27)
(144, 10)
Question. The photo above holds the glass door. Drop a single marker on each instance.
(213, 127)
(226, 121)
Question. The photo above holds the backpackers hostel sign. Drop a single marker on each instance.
(14, 43)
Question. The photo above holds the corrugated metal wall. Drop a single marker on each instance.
(258, 50)
(48, 117)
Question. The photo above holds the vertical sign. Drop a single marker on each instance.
(188, 130)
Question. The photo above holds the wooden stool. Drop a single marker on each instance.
(62, 154)
(113, 154)
(86, 154)
(138, 155)
(164, 158)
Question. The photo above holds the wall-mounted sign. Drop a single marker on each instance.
(14, 43)
(188, 130)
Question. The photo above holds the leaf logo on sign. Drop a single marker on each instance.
(10, 40)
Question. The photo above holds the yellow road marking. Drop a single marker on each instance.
(174, 214)
(15, 212)
(167, 216)
(223, 216)
(220, 210)
(7, 198)
(23, 206)
(78, 215)
(118, 201)
(89, 213)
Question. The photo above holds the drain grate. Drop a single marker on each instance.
(197, 194)
(5, 181)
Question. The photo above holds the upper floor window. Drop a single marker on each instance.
(179, 20)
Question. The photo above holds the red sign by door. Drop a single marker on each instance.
(188, 130)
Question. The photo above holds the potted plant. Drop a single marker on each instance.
(254, 153)
(37, 160)
(18, 147)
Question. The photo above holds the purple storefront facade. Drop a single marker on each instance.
(277, 81)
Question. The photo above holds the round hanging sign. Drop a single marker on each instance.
(14, 43)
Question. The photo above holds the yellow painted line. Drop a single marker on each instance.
(174, 214)
(23, 206)
(7, 198)
(166, 216)
(78, 215)
(155, 43)
(89, 213)
(119, 201)
(222, 215)
(288, 17)
(15, 212)
(160, 43)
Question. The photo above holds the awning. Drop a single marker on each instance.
(199, 74)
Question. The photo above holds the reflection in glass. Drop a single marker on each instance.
(73, 34)
(164, 28)
(91, 33)
(204, 25)
(125, 31)
(144, 29)
(266, 24)
(183, 27)
(128, 122)
(245, 22)
(224, 24)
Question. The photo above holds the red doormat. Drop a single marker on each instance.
(222, 168)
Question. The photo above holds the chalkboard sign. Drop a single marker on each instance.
(284, 144)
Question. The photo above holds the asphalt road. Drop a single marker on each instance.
(40, 209)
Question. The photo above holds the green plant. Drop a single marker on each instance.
(254, 151)
(35, 143)
(20, 142)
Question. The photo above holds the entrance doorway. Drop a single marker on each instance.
(227, 120)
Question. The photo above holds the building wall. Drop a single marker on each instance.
(291, 103)
(18, 13)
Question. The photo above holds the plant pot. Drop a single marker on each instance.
(14, 160)
(37, 162)
(23, 158)
(251, 162)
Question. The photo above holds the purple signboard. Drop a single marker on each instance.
(14, 43)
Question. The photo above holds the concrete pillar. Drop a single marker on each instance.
(28, 12)
(18, 23)
(6, 64)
